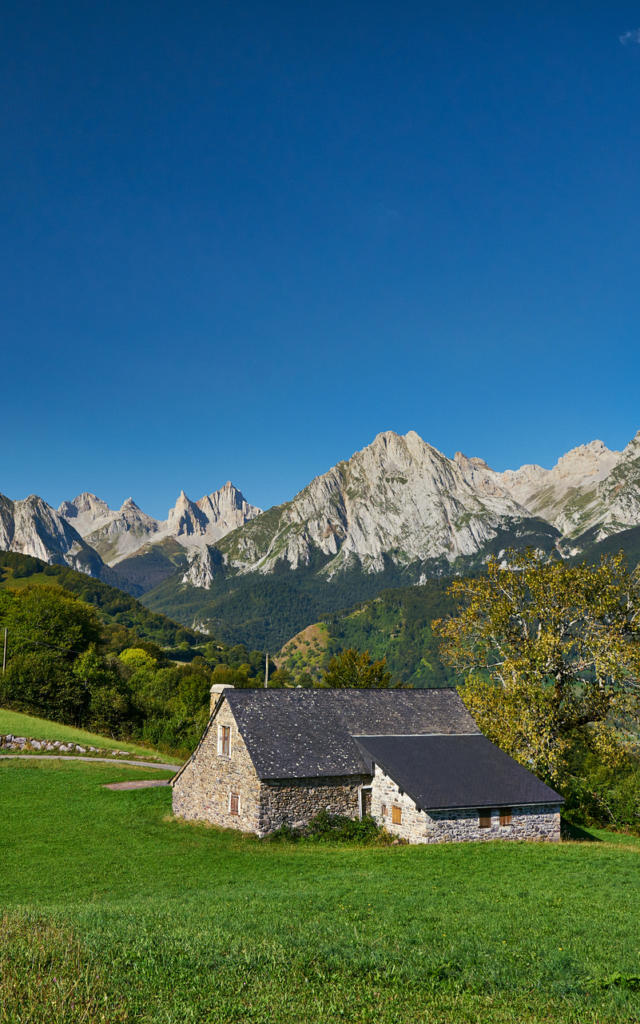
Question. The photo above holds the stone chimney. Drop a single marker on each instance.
(215, 692)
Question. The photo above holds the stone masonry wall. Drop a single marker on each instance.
(202, 792)
(449, 826)
(295, 801)
(26, 744)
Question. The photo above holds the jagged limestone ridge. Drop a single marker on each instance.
(31, 527)
(399, 497)
(117, 534)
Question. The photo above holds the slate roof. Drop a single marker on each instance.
(440, 772)
(309, 733)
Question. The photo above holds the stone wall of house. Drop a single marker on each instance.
(417, 826)
(203, 790)
(295, 801)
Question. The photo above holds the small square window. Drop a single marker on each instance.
(234, 803)
(396, 815)
(224, 740)
(505, 816)
(485, 818)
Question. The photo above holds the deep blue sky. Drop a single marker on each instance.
(240, 239)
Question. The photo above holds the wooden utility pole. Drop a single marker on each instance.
(4, 652)
(266, 670)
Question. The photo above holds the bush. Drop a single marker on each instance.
(325, 827)
(600, 795)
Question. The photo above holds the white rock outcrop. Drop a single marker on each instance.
(119, 533)
(398, 498)
(32, 527)
(566, 496)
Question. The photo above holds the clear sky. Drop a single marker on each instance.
(240, 239)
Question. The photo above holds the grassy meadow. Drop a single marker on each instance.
(114, 912)
(18, 724)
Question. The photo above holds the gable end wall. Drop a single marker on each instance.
(201, 793)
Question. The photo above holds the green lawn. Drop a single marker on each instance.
(116, 913)
(17, 724)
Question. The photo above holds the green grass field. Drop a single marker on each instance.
(18, 724)
(116, 913)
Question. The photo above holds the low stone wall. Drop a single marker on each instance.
(540, 823)
(25, 745)
(295, 801)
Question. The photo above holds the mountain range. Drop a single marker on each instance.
(398, 511)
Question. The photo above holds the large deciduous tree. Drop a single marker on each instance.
(550, 654)
(355, 669)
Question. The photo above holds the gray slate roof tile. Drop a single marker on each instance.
(309, 733)
(440, 772)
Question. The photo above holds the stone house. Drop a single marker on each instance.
(413, 759)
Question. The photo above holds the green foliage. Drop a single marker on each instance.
(598, 793)
(61, 667)
(124, 616)
(137, 658)
(396, 625)
(265, 611)
(551, 657)
(355, 670)
(171, 922)
(334, 828)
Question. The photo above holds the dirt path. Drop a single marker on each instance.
(138, 784)
(100, 760)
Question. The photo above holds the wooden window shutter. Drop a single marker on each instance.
(234, 803)
(485, 818)
(505, 816)
(396, 815)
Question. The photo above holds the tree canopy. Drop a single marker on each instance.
(355, 669)
(550, 652)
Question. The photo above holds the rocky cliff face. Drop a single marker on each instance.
(398, 498)
(86, 512)
(226, 510)
(117, 534)
(200, 570)
(113, 533)
(31, 527)
(568, 496)
(616, 505)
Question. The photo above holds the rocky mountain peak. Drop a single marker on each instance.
(464, 460)
(185, 518)
(129, 505)
(84, 504)
(32, 527)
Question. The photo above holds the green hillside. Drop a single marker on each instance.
(266, 610)
(627, 541)
(396, 625)
(86, 655)
(152, 564)
(119, 611)
(19, 724)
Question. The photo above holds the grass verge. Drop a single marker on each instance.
(19, 724)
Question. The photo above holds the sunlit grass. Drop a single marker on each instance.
(19, 724)
(173, 922)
